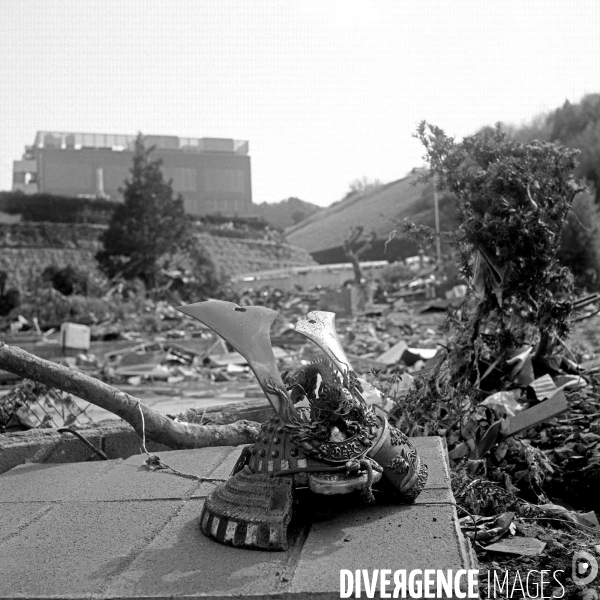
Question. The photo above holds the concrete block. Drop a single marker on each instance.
(50, 483)
(35, 444)
(15, 517)
(16, 451)
(222, 471)
(123, 442)
(380, 537)
(133, 480)
(75, 336)
(48, 445)
(182, 562)
(69, 449)
(78, 548)
(436, 496)
(432, 451)
(115, 529)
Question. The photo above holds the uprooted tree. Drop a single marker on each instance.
(511, 200)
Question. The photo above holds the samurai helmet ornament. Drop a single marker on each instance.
(337, 445)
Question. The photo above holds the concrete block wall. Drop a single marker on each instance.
(116, 439)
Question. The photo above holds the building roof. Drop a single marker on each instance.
(74, 140)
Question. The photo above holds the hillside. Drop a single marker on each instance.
(323, 234)
(286, 213)
(26, 249)
(241, 256)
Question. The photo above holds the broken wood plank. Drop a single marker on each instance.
(531, 417)
(521, 546)
(393, 354)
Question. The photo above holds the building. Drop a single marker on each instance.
(212, 174)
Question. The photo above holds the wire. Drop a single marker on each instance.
(153, 461)
(86, 442)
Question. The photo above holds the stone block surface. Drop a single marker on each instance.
(435, 496)
(382, 537)
(433, 453)
(182, 562)
(77, 548)
(115, 529)
(16, 516)
(50, 483)
(133, 479)
(223, 471)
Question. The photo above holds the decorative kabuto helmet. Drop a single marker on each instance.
(337, 445)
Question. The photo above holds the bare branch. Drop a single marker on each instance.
(158, 428)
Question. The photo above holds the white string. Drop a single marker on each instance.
(153, 460)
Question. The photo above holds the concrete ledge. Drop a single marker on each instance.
(115, 529)
(116, 439)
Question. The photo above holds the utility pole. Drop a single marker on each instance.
(438, 241)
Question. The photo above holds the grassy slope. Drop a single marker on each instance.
(377, 212)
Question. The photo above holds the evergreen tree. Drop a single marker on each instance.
(150, 223)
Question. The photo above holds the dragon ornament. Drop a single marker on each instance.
(323, 435)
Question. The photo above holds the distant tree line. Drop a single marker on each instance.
(574, 126)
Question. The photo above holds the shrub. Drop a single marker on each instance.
(68, 280)
(50, 208)
(512, 201)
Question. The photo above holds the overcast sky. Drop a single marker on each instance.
(325, 91)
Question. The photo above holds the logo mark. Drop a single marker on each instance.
(584, 568)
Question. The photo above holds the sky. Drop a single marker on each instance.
(325, 91)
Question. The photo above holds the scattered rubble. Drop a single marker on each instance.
(526, 463)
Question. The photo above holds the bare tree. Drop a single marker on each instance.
(354, 248)
(156, 427)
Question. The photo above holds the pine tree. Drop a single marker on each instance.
(150, 222)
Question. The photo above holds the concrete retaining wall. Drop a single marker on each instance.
(116, 439)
